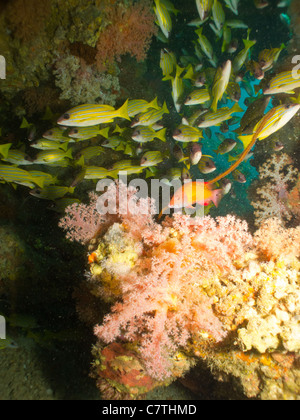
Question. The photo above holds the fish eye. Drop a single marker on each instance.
(75, 131)
(66, 116)
(50, 132)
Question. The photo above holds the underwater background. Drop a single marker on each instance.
(141, 307)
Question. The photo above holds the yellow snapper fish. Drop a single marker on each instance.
(127, 166)
(51, 156)
(93, 114)
(284, 82)
(11, 173)
(241, 57)
(185, 133)
(44, 144)
(232, 5)
(52, 192)
(151, 158)
(56, 134)
(163, 18)
(218, 14)
(211, 118)
(197, 97)
(177, 87)
(17, 157)
(236, 24)
(4, 148)
(205, 45)
(85, 133)
(170, 7)
(144, 134)
(204, 7)
(226, 38)
(112, 142)
(167, 61)
(220, 83)
(47, 179)
(275, 119)
(96, 172)
(138, 106)
(150, 117)
(90, 152)
(267, 58)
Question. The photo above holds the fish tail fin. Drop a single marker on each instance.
(4, 148)
(179, 70)
(165, 108)
(199, 31)
(189, 72)
(80, 161)
(39, 181)
(64, 146)
(248, 43)
(236, 108)
(282, 46)
(167, 77)
(69, 154)
(104, 132)
(214, 105)
(217, 195)
(154, 104)
(123, 111)
(161, 134)
(245, 140)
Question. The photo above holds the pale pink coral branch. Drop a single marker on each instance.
(276, 174)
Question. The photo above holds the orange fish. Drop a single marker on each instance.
(193, 192)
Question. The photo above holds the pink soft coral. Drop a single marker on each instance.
(277, 175)
(130, 31)
(163, 299)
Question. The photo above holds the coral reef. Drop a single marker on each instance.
(198, 287)
(71, 45)
(277, 176)
(83, 83)
(130, 29)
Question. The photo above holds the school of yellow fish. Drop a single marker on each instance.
(205, 94)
